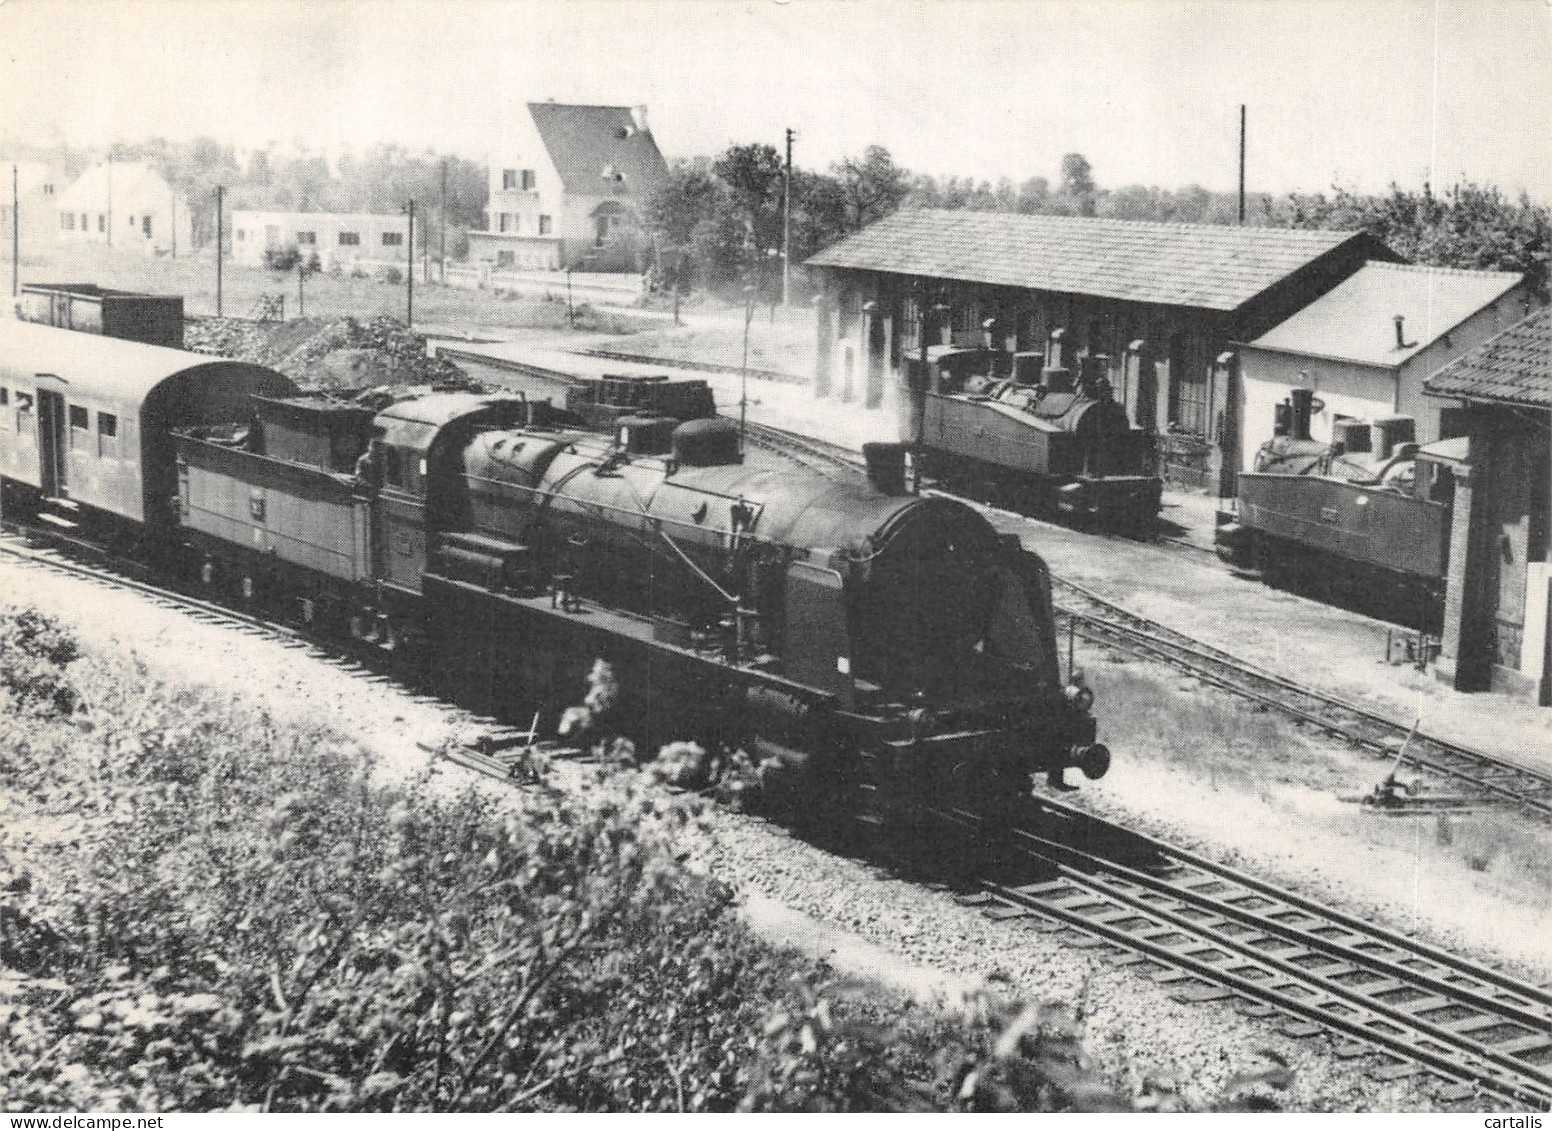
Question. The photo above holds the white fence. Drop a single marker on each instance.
(594, 287)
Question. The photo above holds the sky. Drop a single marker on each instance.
(1353, 92)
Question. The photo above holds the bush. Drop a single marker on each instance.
(244, 917)
(282, 258)
(390, 275)
(34, 652)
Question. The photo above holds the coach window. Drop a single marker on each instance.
(107, 436)
(393, 239)
(393, 467)
(80, 425)
(350, 239)
(307, 237)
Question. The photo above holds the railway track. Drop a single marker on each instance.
(1209, 932)
(1485, 775)
(1104, 622)
(49, 552)
(827, 459)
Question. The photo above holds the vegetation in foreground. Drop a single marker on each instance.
(212, 909)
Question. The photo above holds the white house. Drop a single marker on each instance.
(569, 188)
(1366, 346)
(342, 239)
(125, 205)
(36, 189)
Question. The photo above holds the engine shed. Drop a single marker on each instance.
(1160, 304)
(1497, 608)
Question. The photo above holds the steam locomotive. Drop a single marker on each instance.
(1364, 518)
(1037, 439)
(884, 640)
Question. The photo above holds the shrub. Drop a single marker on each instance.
(34, 652)
(245, 918)
(282, 258)
(390, 275)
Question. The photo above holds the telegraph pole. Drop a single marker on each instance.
(442, 250)
(16, 234)
(1241, 162)
(786, 223)
(409, 271)
(220, 192)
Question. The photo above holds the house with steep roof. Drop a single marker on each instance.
(130, 205)
(1365, 347)
(1157, 307)
(1497, 607)
(569, 189)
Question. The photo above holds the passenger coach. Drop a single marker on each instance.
(85, 422)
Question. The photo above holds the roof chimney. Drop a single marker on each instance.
(1401, 342)
(639, 116)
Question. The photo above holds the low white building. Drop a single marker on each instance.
(1366, 346)
(121, 204)
(340, 239)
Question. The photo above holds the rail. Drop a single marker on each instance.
(1215, 933)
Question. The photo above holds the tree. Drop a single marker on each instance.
(1470, 226)
(873, 186)
(753, 174)
(1078, 184)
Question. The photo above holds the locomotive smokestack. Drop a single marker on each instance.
(1303, 402)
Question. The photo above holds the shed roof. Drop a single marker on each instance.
(1209, 266)
(1355, 320)
(111, 369)
(585, 141)
(1513, 367)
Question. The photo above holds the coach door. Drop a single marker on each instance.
(52, 448)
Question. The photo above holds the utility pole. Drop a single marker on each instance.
(409, 271)
(220, 193)
(16, 234)
(442, 211)
(110, 199)
(172, 212)
(301, 273)
(786, 223)
(1241, 162)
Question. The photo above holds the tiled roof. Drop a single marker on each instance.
(1198, 265)
(584, 141)
(1514, 366)
(1356, 320)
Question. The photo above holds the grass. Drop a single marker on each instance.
(325, 296)
(1232, 747)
